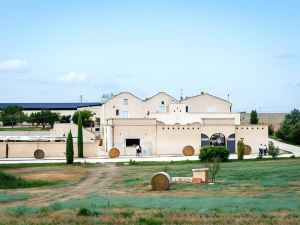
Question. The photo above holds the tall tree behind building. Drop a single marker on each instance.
(253, 117)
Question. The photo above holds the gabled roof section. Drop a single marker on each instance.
(203, 93)
(161, 92)
(121, 93)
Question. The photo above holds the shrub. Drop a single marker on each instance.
(241, 149)
(148, 221)
(86, 212)
(127, 214)
(21, 210)
(214, 167)
(208, 153)
(273, 151)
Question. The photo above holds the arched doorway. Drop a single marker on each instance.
(217, 139)
(231, 143)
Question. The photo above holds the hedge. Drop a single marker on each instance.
(207, 153)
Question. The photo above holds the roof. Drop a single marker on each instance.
(202, 93)
(52, 106)
(147, 99)
(121, 93)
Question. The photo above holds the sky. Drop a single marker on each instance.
(57, 50)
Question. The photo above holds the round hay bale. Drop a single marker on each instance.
(188, 151)
(161, 181)
(39, 154)
(114, 153)
(247, 150)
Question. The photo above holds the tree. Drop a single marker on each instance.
(69, 149)
(85, 116)
(44, 117)
(290, 128)
(80, 137)
(12, 114)
(253, 117)
(273, 151)
(270, 129)
(241, 149)
(295, 133)
(213, 168)
(65, 119)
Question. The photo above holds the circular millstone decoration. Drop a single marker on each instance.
(188, 151)
(247, 150)
(39, 154)
(114, 153)
(161, 181)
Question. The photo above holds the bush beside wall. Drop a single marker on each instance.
(208, 153)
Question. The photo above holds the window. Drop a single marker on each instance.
(163, 109)
(132, 142)
(117, 112)
(125, 101)
(125, 114)
(162, 102)
(211, 108)
(186, 109)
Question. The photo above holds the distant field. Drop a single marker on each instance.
(248, 192)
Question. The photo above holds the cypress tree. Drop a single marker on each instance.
(253, 117)
(6, 150)
(80, 137)
(241, 149)
(69, 149)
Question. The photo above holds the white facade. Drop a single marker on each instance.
(165, 125)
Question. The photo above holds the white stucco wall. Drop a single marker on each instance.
(200, 103)
(62, 130)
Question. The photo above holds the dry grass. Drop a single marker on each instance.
(51, 174)
(254, 192)
(137, 216)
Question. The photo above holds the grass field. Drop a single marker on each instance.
(248, 192)
(8, 181)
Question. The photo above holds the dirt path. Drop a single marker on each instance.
(98, 181)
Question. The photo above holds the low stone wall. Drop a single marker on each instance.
(51, 149)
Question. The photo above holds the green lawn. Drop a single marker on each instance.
(5, 197)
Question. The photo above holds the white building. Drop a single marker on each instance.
(164, 125)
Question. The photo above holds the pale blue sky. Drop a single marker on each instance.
(57, 50)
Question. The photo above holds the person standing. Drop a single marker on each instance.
(265, 150)
(261, 150)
